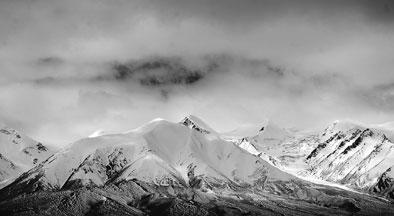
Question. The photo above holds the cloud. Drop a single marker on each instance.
(69, 68)
(378, 97)
(250, 12)
(160, 72)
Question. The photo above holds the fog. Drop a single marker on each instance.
(300, 64)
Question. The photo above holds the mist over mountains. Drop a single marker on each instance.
(196, 107)
(302, 64)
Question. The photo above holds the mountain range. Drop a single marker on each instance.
(188, 168)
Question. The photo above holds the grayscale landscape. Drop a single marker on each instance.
(196, 107)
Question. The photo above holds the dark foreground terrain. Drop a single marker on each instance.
(140, 198)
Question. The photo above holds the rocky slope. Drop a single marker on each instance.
(18, 153)
(160, 152)
(165, 168)
(354, 155)
(346, 153)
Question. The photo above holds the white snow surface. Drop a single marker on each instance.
(263, 140)
(18, 153)
(247, 130)
(360, 167)
(161, 152)
(352, 154)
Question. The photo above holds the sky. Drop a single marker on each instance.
(70, 68)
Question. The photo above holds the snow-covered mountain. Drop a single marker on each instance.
(166, 168)
(161, 152)
(355, 155)
(351, 154)
(18, 153)
(264, 140)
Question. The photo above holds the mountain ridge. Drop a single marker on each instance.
(19, 153)
(175, 168)
(353, 155)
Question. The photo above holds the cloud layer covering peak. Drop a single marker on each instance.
(69, 68)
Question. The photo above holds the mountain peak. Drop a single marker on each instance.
(349, 126)
(160, 151)
(196, 123)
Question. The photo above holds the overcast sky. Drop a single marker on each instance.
(69, 68)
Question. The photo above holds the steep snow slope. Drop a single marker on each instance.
(18, 153)
(164, 168)
(346, 153)
(161, 152)
(8, 170)
(353, 155)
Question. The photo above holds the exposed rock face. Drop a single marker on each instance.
(166, 168)
(164, 153)
(385, 184)
(196, 124)
(344, 153)
(353, 155)
(18, 153)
